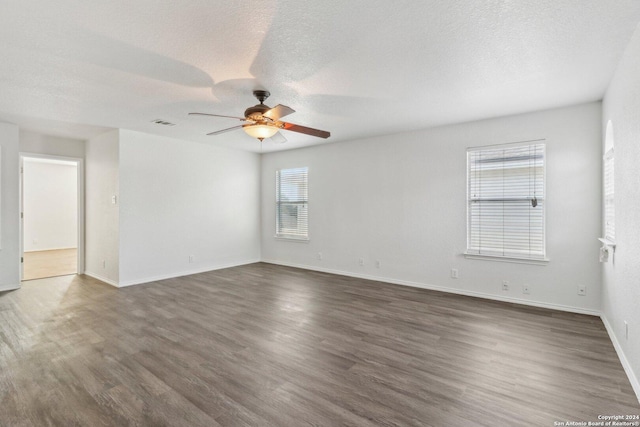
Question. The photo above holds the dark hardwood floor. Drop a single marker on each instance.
(263, 345)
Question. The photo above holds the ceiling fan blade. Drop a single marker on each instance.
(218, 132)
(278, 111)
(303, 129)
(278, 138)
(218, 115)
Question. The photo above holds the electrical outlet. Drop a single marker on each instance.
(454, 273)
(191, 258)
(582, 290)
(361, 261)
(104, 264)
(526, 289)
(320, 256)
(626, 330)
(505, 285)
(377, 263)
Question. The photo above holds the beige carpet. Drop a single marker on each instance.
(40, 264)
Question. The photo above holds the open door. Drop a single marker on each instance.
(51, 216)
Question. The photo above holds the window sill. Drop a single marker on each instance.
(607, 242)
(542, 262)
(292, 239)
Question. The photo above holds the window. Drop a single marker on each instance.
(506, 201)
(609, 205)
(292, 214)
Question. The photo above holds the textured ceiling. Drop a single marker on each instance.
(355, 68)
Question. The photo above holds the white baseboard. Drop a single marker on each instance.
(10, 287)
(102, 279)
(50, 249)
(124, 284)
(633, 379)
(540, 304)
(185, 273)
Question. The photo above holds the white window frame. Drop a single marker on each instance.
(488, 254)
(608, 192)
(302, 233)
(608, 188)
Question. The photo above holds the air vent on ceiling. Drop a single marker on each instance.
(162, 122)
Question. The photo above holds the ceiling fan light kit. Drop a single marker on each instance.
(260, 131)
(263, 121)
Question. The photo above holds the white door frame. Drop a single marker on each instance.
(80, 187)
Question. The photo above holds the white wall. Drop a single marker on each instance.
(401, 199)
(181, 198)
(621, 287)
(34, 142)
(9, 208)
(101, 215)
(50, 205)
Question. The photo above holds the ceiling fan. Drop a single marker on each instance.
(263, 121)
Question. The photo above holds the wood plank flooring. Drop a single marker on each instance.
(58, 262)
(264, 345)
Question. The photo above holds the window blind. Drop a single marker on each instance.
(506, 201)
(292, 213)
(609, 205)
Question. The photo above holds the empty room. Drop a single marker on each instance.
(291, 213)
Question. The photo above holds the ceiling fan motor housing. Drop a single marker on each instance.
(256, 112)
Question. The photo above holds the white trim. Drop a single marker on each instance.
(609, 154)
(498, 258)
(1, 197)
(168, 276)
(50, 249)
(80, 208)
(184, 273)
(293, 239)
(607, 242)
(20, 217)
(542, 141)
(81, 218)
(4, 288)
(633, 379)
(507, 144)
(285, 236)
(102, 279)
(540, 304)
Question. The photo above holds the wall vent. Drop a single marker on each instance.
(162, 122)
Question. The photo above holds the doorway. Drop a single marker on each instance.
(51, 216)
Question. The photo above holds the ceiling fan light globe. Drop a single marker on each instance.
(260, 131)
